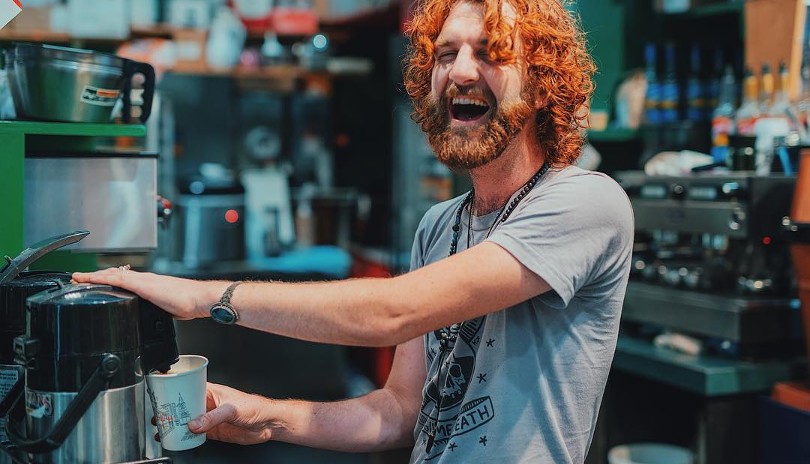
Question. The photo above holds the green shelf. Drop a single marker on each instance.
(74, 129)
(17, 138)
(613, 135)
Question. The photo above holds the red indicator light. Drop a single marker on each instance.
(231, 216)
(766, 240)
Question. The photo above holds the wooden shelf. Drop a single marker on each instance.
(281, 72)
(34, 36)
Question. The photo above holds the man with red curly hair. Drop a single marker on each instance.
(507, 323)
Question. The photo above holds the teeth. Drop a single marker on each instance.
(468, 101)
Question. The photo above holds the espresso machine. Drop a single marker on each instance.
(83, 353)
(711, 260)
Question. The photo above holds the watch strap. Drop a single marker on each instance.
(226, 297)
(223, 310)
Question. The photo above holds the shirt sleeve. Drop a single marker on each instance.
(572, 233)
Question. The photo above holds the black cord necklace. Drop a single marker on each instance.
(449, 335)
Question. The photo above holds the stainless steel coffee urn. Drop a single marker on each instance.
(84, 352)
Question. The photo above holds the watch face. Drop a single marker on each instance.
(223, 314)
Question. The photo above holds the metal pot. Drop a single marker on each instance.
(72, 85)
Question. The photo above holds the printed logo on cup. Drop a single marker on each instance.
(177, 397)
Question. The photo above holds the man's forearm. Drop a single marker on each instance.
(374, 422)
(366, 312)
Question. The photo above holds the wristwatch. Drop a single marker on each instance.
(223, 311)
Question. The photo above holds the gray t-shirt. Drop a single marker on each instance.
(524, 384)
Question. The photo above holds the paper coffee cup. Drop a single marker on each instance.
(177, 397)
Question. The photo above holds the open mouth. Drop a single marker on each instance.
(468, 109)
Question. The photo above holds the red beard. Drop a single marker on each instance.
(471, 147)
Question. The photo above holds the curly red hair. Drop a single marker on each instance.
(559, 67)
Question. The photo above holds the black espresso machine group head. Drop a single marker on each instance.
(84, 351)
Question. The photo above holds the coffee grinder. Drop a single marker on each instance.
(84, 352)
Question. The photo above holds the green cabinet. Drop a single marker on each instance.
(20, 137)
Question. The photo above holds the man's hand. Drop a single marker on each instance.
(183, 298)
(234, 416)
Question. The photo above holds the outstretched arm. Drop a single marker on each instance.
(382, 419)
(369, 312)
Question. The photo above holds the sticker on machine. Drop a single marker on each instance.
(9, 375)
(38, 404)
(101, 97)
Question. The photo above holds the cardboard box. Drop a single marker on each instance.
(31, 20)
(8, 10)
(190, 44)
(92, 19)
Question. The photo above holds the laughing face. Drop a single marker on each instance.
(477, 107)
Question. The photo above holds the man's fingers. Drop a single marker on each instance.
(212, 418)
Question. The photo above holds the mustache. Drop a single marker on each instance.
(454, 91)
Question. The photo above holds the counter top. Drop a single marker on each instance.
(705, 375)
(322, 262)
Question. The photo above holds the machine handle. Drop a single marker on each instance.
(148, 72)
(107, 368)
(36, 251)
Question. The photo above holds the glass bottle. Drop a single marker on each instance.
(669, 88)
(652, 97)
(766, 89)
(723, 117)
(781, 98)
(695, 102)
(748, 112)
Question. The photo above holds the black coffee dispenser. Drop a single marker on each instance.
(15, 288)
(84, 353)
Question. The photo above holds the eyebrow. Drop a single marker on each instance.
(444, 43)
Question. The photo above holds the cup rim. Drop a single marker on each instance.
(202, 365)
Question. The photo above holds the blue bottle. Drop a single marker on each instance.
(669, 89)
(695, 101)
(652, 98)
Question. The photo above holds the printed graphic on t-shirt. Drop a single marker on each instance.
(447, 391)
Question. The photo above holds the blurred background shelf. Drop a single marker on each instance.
(613, 135)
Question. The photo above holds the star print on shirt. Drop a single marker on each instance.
(490, 342)
(476, 341)
(483, 440)
(452, 446)
(482, 378)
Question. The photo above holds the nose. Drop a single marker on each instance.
(465, 67)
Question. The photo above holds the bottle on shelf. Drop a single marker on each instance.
(803, 105)
(723, 117)
(747, 114)
(711, 91)
(696, 110)
(669, 88)
(781, 98)
(652, 97)
(766, 89)
(775, 120)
